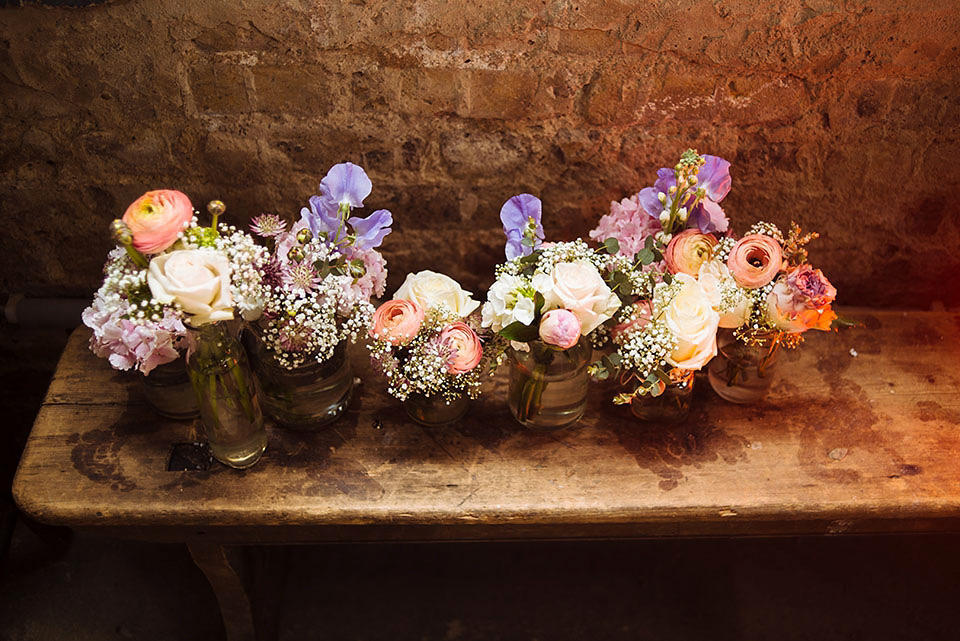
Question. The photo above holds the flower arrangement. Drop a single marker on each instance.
(548, 298)
(318, 276)
(167, 273)
(425, 340)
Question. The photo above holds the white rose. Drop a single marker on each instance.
(505, 304)
(724, 294)
(430, 289)
(579, 288)
(197, 279)
(692, 319)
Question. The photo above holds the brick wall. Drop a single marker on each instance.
(842, 116)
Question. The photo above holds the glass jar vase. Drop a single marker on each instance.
(310, 395)
(548, 386)
(168, 390)
(226, 392)
(431, 411)
(672, 405)
(742, 373)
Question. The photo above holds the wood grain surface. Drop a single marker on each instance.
(860, 433)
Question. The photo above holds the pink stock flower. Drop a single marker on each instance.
(629, 223)
(465, 346)
(688, 250)
(397, 321)
(755, 260)
(156, 218)
(560, 328)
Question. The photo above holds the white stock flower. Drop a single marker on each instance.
(693, 321)
(579, 288)
(505, 304)
(430, 289)
(197, 279)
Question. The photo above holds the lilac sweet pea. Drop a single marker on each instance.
(323, 217)
(370, 231)
(521, 216)
(714, 179)
(648, 196)
(345, 184)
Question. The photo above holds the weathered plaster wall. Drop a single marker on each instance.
(841, 115)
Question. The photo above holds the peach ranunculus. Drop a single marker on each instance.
(397, 321)
(560, 328)
(795, 306)
(578, 287)
(688, 250)
(196, 279)
(430, 289)
(156, 219)
(693, 321)
(466, 346)
(755, 260)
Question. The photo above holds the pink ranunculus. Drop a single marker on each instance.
(466, 346)
(811, 285)
(642, 314)
(755, 260)
(688, 250)
(397, 321)
(791, 312)
(560, 328)
(156, 218)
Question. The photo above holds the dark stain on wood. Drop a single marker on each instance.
(922, 334)
(872, 322)
(932, 411)
(96, 455)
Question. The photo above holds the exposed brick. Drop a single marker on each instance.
(301, 90)
(430, 92)
(506, 95)
(219, 88)
(481, 154)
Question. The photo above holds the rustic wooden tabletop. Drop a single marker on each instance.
(860, 433)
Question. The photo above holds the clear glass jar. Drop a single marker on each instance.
(430, 411)
(226, 392)
(548, 386)
(742, 373)
(672, 405)
(306, 397)
(168, 390)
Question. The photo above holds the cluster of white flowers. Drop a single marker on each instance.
(421, 366)
(644, 348)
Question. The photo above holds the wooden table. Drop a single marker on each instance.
(860, 434)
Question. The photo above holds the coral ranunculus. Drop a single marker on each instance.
(156, 218)
(397, 321)
(466, 346)
(688, 250)
(755, 260)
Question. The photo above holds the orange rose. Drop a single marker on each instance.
(397, 321)
(788, 313)
(688, 250)
(156, 219)
(755, 260)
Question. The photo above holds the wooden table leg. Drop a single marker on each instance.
(227, 584)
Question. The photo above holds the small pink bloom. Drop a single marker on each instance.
(561, 328)
(156, 218)
(755, 260)
(688, 250)
(812, 286)
(466, 346)
(397, 321)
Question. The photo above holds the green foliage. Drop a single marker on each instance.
(612, 245)
(517, 331)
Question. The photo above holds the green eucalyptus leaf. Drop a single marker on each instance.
(612, 245)
(645, 256)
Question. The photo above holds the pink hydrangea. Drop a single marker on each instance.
(629, 224)
(126, 344)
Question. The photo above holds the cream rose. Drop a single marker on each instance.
(430, 290)
(197, 279)
(578, 288)
(728, 298)
(692, 319)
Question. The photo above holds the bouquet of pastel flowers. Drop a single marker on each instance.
(550, 303)
(425, 342)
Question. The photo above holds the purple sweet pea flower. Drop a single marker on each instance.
(714, 179)
(521, 216)
(649, 196)
(371, 230)
(323, 218)
(709, 217)
(346, 184)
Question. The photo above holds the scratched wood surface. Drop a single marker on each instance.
(860, 433)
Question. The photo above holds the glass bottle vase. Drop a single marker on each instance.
(226, 392)
(168, 390)
(431, 411)
(548, 386)
(742, 373)
(672, 405)
(308, 396)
